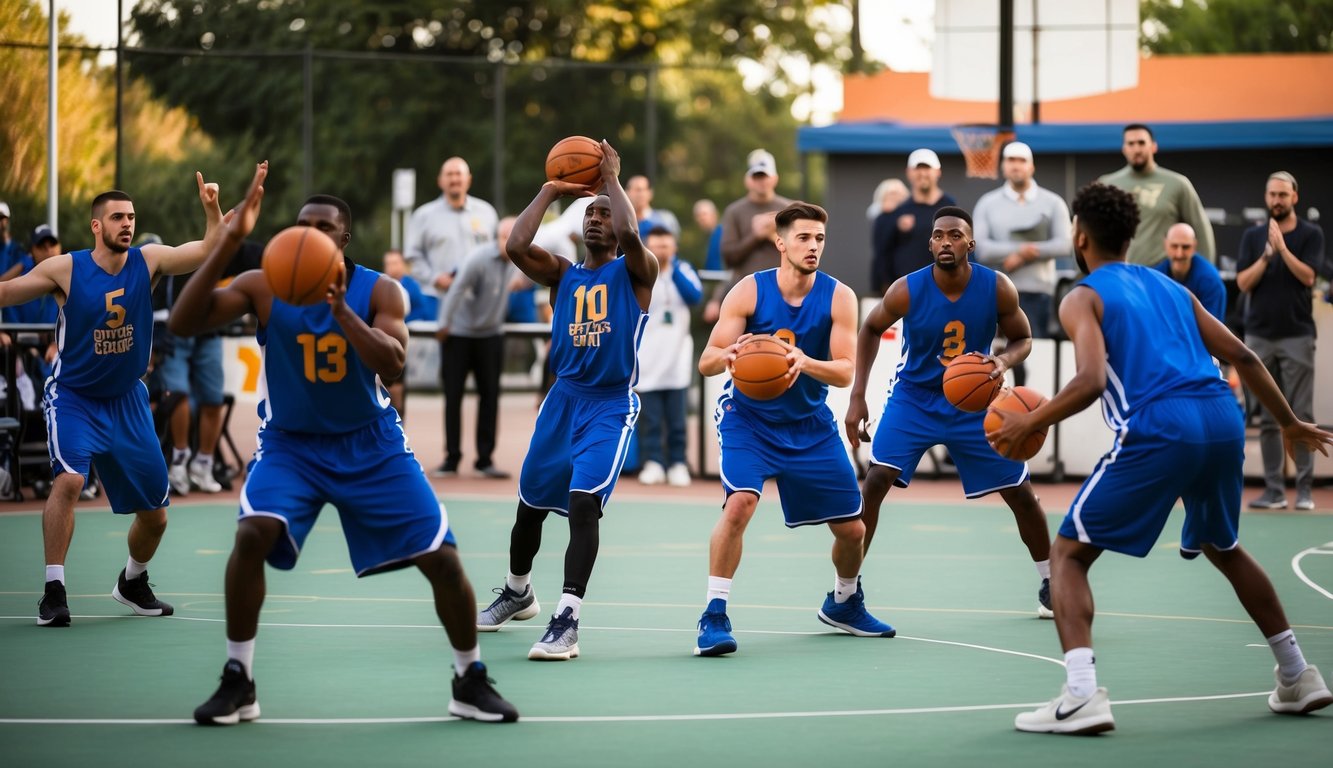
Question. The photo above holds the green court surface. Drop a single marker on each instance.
(356, 672)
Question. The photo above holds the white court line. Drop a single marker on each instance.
(628, 718)
(1322, 549)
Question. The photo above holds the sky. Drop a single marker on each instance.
(895, 32)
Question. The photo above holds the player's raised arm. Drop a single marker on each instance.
(202, 306)
(49, 276)
(540, 265)
(179, 259)
(897, 301)
(642, 264)
(729, 331)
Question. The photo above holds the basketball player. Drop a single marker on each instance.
(793, 437)
(584, 426)
(948, 309)
(1142, 345)
(326, 415)
(95, 404)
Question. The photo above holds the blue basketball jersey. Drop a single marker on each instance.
(809, 325)
(1140, 303)
(105, 329)
(596, 329)
(936, 327)
(314, 381)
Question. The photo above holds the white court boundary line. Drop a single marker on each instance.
(1322, 549)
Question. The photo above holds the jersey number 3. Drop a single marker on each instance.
(332, 348)
(955, 339)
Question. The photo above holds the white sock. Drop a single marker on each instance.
(719, 588)
(569, 601)
(1043, 568)
(204, 461)
(55, 573)
(1290, 660)
(244, 652)
(133, 568)
(518, 583)
(843, 588)
(179, 456)
(464, 659)
(1081, 672)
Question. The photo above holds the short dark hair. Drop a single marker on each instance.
(344, 209)
(101, 200)
(1138, 127)
(659, 230)
(1108, 214)
(800, 210)
(955, 211)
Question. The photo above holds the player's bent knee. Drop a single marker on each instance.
(255, 536)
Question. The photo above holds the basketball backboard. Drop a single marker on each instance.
(1083, 47)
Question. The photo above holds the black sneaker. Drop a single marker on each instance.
(53, 609)
(445, 470)
(475, 698)
(493, 472)
(233, 701)
(138, 595)
(1044, 609)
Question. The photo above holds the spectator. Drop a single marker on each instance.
(705, 215)
(10, 251)
(890, 194)
(1276, 270)
(419, 305)
(900, 238)
(665, 373)
(34, 363)
(1164, 198)
(640, 191)
(1193, 271)
(748, 227)
(1021, 229)
(472, 340)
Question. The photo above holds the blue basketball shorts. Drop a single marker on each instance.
(1191, 449)
(578, 444)
(388, 510)
(915, 419)
(194, 367)
(114, 434)
(816, 480)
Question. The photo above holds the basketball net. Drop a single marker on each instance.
(981, 144)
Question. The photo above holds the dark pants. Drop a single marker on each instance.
(661, 411)
(483, 358)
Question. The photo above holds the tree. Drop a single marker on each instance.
(1237, 26)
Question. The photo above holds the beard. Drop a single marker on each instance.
(1280, 212)
(112, 242)
(950, 266)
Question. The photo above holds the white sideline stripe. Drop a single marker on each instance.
(1322, 549)
(626, 718)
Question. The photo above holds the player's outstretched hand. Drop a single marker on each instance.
(1307, 435)
(208, 193)
(610, 166)
(241, 220)
(569, 188)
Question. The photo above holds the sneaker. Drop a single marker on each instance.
(1269, 500)
(53, 608)
(520, 606)
(1304, 500)
(1066, 714)
(852, 616)
(561, 641)
(493, 472)
(715, 638)
(178, 477)
(138, 595)
(233, 701)
(475, 699)
(1307, 694)
(678, 475)
(89, 491)
(201, 477)
(445, 470)
(1044, 609)
(652, 474)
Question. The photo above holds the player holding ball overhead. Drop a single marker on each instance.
(950, 308)
(792, 437)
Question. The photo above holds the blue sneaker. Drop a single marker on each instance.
(852, 616)
(561, 641)
(1044, 608)
(715, 638)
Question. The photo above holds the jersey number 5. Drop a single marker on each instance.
(333, 349)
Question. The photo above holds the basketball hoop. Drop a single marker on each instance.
(981, 143)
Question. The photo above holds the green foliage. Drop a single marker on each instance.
(1237, 26)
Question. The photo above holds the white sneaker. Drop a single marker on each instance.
(1304, 500)
(1067, 714)
(1307, 694)
(201, 477)
(678, 475)
(652, 473)
(179, 479)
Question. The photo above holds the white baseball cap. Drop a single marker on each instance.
(1017, 149)
(4, 210)
(761, 161)
(923, 157)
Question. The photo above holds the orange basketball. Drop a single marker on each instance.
(760, 369)
(300, 263)
(968, 385)
(1017, 400)
(576, 159)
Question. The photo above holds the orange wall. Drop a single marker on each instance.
(1170, 89)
